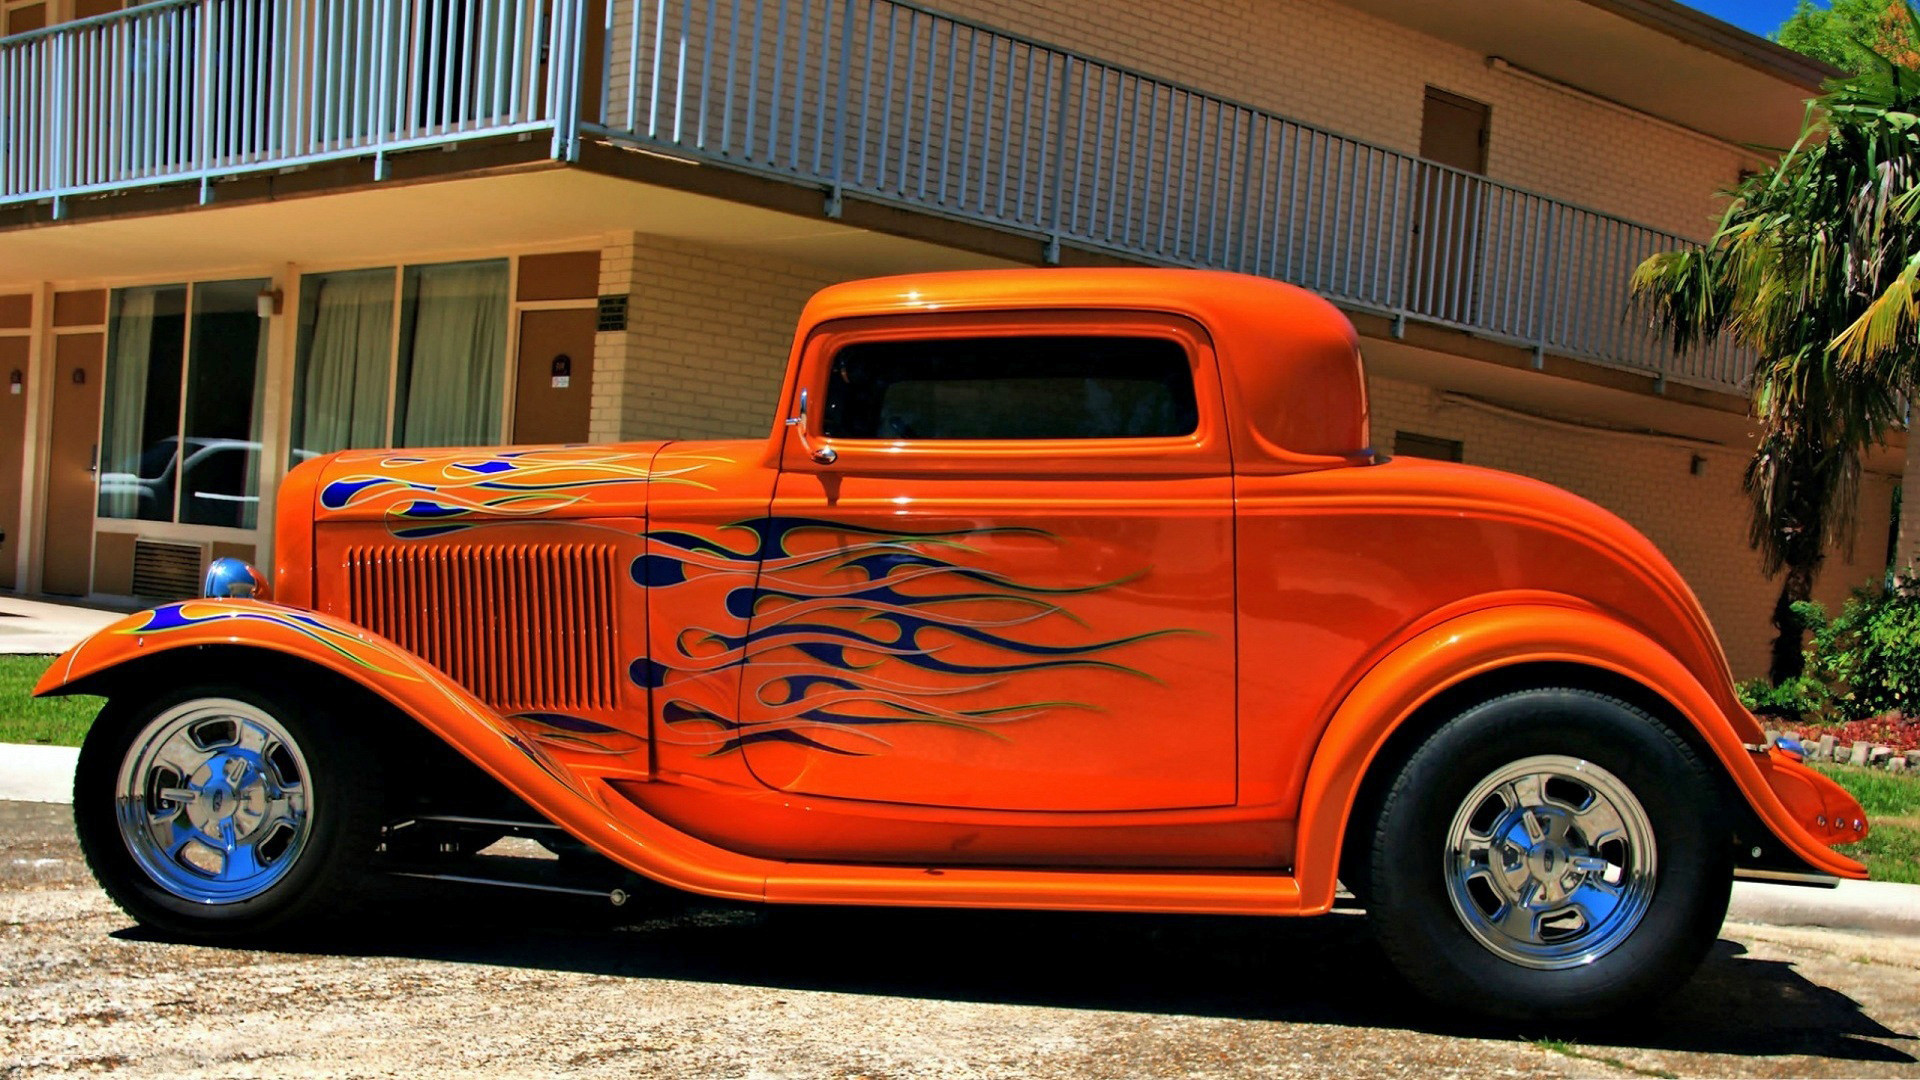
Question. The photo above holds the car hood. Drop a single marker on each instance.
(419, 488)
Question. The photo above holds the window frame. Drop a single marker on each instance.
(961, 376)
(1203, 452)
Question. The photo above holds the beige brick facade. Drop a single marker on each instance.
(1699, 520)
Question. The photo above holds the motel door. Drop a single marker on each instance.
(1444, 275)
(72, 461)
(553, 385)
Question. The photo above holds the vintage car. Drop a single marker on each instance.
(1070, 589)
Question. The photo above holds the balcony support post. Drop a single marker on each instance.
(1544, 279)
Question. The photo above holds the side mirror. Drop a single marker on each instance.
(823, 455)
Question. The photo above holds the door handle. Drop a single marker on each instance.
(93, 459)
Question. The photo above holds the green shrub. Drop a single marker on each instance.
(1792, 700)
(1863, 662)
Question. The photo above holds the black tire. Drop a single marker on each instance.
(1438, 916)
(332, 765)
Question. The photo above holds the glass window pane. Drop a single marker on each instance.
(140, 428)
(345, 352)
(453, 355)
(220, 463)
(1040, 387)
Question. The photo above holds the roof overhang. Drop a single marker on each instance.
(1653, 56)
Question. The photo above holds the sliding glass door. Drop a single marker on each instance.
(180, 436)
(404, 357)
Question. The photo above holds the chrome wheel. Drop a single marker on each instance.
(1550, 862)
(213, 800)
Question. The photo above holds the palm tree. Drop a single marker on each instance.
(1815, 266)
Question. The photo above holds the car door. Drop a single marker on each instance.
(997, 571)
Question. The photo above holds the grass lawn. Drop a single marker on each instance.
(1892, 801)
(58, 721)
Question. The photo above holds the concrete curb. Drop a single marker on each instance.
(45, 774)
(1882, 906)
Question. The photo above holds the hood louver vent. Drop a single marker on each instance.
(524, 627)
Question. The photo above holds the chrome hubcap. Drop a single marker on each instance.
(1550, 862)
(213, 801)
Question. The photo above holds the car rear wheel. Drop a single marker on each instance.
(1551, 853)
(222, 811)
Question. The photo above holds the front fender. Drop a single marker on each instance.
(573, 799)
(1483, 642)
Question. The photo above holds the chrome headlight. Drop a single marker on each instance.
(230, 578)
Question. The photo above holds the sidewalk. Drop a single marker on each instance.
(37, 773)
(45, 774)
(35, 626)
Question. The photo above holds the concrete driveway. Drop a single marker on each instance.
(469, 981)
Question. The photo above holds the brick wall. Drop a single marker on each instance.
(1698, 521)
(708, 330)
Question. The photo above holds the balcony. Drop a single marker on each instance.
(872, 98)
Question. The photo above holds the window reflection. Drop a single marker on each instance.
(198, 464)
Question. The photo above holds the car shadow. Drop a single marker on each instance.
(1324, 970)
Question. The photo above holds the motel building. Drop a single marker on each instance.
(235, 234)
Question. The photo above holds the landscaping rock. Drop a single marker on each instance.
(1827, 743)
(1897, 764)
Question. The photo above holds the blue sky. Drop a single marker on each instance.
(1758, 16)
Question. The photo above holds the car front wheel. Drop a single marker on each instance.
(220, 811)
(1550, 853)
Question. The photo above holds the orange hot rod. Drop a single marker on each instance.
(1050, 589)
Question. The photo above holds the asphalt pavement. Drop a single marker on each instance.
(461, 981)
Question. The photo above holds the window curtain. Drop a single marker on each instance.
(454, 350)
(343, 385)
(126, 404)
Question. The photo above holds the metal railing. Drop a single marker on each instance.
(874, 97)
(899, 104)
(185, 90)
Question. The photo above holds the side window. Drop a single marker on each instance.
(1039, 387)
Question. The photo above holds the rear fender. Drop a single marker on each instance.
(1487, 641)
(509, 750)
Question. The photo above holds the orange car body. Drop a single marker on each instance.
(1140, 674)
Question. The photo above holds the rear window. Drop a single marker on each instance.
(1040, 387)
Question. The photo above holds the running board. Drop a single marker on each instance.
(1168, 892)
